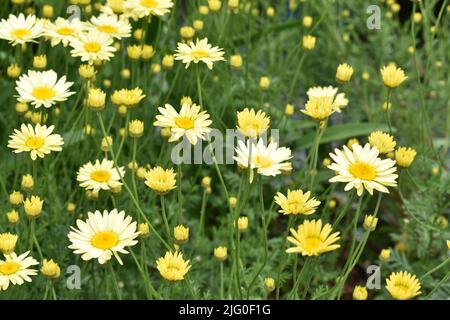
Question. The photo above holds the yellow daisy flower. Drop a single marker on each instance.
(8, 242)
(160, 180)
(403, 285)
(146, 8)
(189, 122)
(361, 168)
(384, 142)
(323, 102)
(15, 269)
(112, 25)
(296, 202)
(310, 239)
(42, 88)
(103, 235)
(268, 160)
(252, 124)
(405, 156)
(62, 30)
(38, 141)
(100, 175)
(172, 266)
(201, 50)
(127, 97)
(92, 46)
(392, 76)
(21, 29)
(344, 72)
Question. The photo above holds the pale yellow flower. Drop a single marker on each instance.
(172, 266)
(252, 124)
(38, 140)
(198, 51)
(403, 285)
(392, 76)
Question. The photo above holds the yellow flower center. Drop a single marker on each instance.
(43, 93)
(149, 3)
(363, 171)
(262, 161)
(20, 33)
(295, 205)
(92, 47)
(199, 54)
(185, 123)
(312, 243)
(34, 142)
(66, 31)
(173, 269)
(100, 175)
(401, 287)
(107, 28)
(9, 267)
(105, 240)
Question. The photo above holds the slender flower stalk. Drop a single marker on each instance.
(296, 75)
(114, 280)
(221, 281)
(266, 250)
(164, 217)
(127, 188)
(388, 110)
(354, 257)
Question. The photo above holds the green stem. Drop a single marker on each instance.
(296, 75)
(344, 209)
(164, 217)
(435, 268)
(127, 188)
(202, 212)
(388, 111)
(296, 285)
(315, 150)
(284, 256)
(354, 258)
(47, 287)
(53, 291)
(444, 280)
(115, 283)
(355, 227)
(263, 223)
(150, 291)
(199, 86)
(221, 281)
(180, 195)
(133, 173)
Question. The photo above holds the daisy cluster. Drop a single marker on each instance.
(309, 226)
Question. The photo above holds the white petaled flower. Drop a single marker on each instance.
(361, 168)
(146, 8)
(42, 88)
(92, 45)
(112, 25)
(15, 269)
(201, 50)
(100, 175)
(268, 160)
(62, 30)
(339, 99)
(38, 141)
(103, 235)
(189, 122)
(20, 29)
